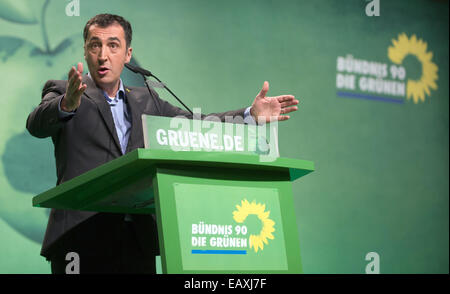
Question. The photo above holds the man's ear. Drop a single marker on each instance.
(128, 55)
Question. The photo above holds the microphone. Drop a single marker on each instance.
(138, 70)
(145, 73)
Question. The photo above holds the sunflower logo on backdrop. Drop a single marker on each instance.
(404, 46)
(246, 209)
(393, 82)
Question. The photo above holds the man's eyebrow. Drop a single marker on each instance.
(114, 39)
(94, 39)
(109, 39)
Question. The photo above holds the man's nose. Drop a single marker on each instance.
(102, 54)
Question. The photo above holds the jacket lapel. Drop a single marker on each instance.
(95, 94)
(135, 140)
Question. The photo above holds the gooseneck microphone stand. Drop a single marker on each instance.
(145, 73)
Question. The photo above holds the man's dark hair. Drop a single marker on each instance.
(104, 20)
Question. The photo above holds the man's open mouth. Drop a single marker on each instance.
(102, 70)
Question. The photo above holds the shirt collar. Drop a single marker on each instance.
(120, 93)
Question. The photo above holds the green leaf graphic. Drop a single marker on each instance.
(18, 11)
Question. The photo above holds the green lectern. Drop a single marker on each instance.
(217, 211)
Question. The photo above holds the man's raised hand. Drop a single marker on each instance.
(74, 89)
(266, 109)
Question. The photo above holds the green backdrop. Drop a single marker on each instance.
(382, 160)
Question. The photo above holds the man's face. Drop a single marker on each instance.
(105, 52)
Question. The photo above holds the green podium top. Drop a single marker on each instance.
(124, 185)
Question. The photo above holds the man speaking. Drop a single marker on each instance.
(95, 118)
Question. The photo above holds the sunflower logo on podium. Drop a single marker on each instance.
(256, 241)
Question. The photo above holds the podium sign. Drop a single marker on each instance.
(219, 221)
(181, 134)
(221, 229)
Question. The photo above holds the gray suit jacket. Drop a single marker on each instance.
(88, 139)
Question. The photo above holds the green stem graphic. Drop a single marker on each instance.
(44, 31)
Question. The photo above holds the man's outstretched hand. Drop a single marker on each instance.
(266, 109)
(74, 90)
